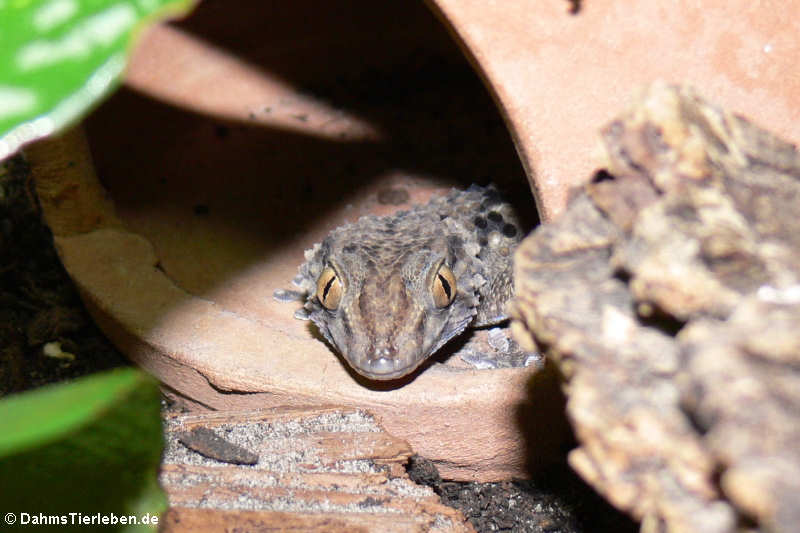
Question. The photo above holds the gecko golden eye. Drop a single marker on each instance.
(444, 287)
(329, 289)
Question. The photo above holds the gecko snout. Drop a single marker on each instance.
(383, 359)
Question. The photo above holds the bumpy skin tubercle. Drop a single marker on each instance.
(386, 316)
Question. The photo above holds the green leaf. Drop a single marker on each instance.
(43, 415)
(59, 57)
(91, 446)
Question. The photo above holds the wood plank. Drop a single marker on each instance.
(202, 520)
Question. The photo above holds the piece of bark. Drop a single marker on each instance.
(723, 224)
(668, 294)
(208, 444)
(741, 388)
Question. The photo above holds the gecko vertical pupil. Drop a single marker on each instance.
(444, 287)
(329, 289)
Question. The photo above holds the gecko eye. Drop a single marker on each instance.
(329, 289)
(444, 287)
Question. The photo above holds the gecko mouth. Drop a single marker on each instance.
(386, 368)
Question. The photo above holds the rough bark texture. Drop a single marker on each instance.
(668, 295)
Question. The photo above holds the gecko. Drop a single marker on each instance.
(387, 292)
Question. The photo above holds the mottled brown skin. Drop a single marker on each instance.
(383, 274)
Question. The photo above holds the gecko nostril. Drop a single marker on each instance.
(384, 351)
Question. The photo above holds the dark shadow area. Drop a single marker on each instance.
(38, 302)
(555, 499)
(393, 66)
(653, 316)
(542, 420)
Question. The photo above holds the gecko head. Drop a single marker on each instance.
(385, 301)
